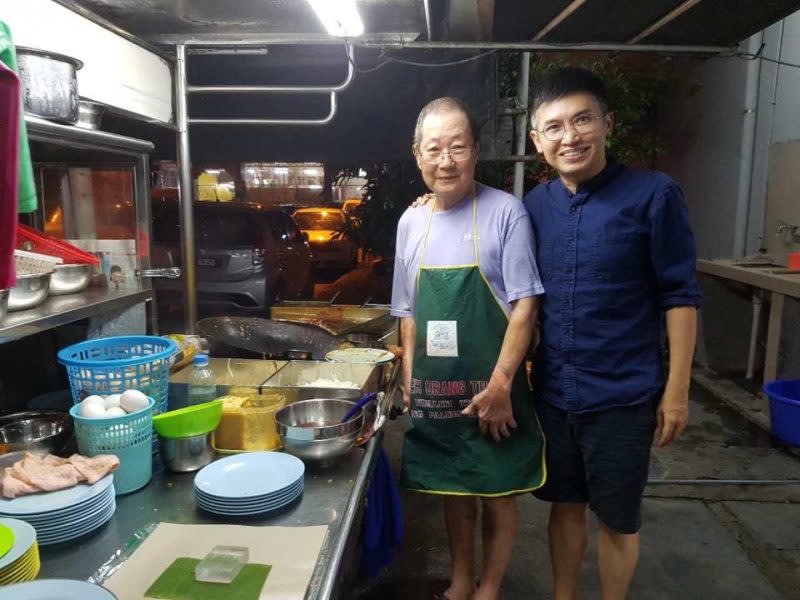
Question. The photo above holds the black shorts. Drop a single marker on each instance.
(599, 458)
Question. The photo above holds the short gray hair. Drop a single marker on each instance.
(443, 105)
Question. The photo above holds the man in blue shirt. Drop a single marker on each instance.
(616, 255)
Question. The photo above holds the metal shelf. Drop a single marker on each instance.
(60, 310)
(41, 130)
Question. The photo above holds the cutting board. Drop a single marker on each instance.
(291, 551)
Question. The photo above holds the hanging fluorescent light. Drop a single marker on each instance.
(339, 17)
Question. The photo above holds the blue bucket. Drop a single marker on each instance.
(130, 437)
(784, 409)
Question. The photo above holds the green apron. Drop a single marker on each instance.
(460, 330)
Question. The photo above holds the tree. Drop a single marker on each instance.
(635, 83)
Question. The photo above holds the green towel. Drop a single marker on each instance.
(26, 201)
(178, 583)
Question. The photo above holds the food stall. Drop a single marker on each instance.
(151, 85)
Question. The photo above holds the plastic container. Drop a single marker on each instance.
(202, 385)
(114, 364)
(784, 409)
(129, 437)
(222, 564)
(189, 421)
(248, 424)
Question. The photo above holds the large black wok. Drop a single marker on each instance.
(247, 337)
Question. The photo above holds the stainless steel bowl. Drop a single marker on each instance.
(3, 304)
(70, 279)
(30, 291)
(36, 431)
(313, 430)
(186, 454)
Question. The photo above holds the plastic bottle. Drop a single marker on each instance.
(201, 381)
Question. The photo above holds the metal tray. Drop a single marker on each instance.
(292, 380)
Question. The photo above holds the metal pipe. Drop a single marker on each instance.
(556, 21)
(428, 23)
(543, 47)
(773, 105)
(747, 152)
(522, 122)
(323, 121)
(185, 190)
(667, 18)
(265, 89)
(755, 327)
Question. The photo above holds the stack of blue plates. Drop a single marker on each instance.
(66, 514)
(49, 589)
(249, 484)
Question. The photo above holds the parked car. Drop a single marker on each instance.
(323, 226)
(248, 257)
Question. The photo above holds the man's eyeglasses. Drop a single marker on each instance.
(582, 124)
(433, 156)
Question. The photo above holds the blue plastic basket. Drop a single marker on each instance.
(114, 364)
(784, 409)
(130, 437)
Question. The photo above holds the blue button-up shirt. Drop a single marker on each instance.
(612, 257)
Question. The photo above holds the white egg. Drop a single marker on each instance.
(92, 409)
(115, 411)
(93, 398)
(111, 401)
(133, 400)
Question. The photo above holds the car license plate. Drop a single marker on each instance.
(206, 262)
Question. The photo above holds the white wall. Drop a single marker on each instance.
(704, 134)
(702, 125)
(115, 71)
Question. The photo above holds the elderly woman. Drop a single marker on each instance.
(465, 287)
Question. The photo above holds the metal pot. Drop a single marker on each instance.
(186, 454)
(3, 304)
(313, 430)
(35, 431)
(49, 84)
(90, 114)
(30, 291)
(70, 279)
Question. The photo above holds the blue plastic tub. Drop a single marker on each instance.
(130, 437)
(784, 409)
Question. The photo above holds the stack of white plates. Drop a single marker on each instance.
(249, 484)
(66, 514)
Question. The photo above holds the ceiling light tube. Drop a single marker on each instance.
(340, 18)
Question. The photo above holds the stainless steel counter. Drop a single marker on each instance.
(60, 310)
(332, 497)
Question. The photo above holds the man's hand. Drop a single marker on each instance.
(493, 407)
(422, 200)
(673, 414)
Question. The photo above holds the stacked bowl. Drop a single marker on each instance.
(249, 484)
(64, 515)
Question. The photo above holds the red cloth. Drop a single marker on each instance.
(9, 172)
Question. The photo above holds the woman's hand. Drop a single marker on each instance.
(422, 200)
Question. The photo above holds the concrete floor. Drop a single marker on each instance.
(703, 542)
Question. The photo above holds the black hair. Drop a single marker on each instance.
(566, 81)
(115, 269)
